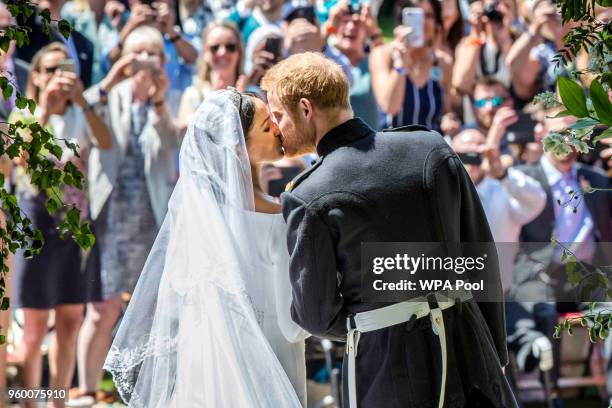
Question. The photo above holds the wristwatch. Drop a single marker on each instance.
(174, 38)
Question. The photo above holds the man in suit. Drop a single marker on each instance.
(540, 284)
(79, 47)
(398, 186)
(581, 219)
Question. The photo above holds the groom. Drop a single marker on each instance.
(400, 186)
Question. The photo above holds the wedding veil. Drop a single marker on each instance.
(190, 336)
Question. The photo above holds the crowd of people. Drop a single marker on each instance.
(128, 80)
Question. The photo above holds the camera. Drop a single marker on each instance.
(354, 7)
(493, 14)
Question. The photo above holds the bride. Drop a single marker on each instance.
(209, 324)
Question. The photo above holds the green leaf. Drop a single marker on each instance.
(52, 206)
(5, 43)
(57, 151)
(584, 123)
(74, 217)
(5, 303)
(601, 102)
(12, 151)
(37, 240)
(21, 102)
(20, 38)
(573, 97)
(573, 276)
(14, 9)
(64, 28)
(31, 106)
(7, 91)
(45, 14)
(27, 11)
(579, 145)
(603, 135)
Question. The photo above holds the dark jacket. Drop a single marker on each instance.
(536, 251)
(599, 204)
(385, 187)
(38, 39)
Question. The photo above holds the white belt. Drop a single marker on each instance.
(395, 314)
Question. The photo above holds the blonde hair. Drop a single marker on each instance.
(147, 36)
(308, 75)
(203, 76)
(32, 91)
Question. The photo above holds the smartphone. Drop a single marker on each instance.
(414, 18)
(473, 158)
(67, 65)
(151, 63)
(276, 187)
(521, 132)
(274, 46)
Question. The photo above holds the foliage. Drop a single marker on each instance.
(40, 152)
(593, 111)
(591, 106)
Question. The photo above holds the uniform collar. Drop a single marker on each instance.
(341, 135)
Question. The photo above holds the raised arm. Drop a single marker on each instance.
(386, 64)
(467, 53)
(524, 69)
(170, 133)
(101, 135)
(527, 196)
(184, 48)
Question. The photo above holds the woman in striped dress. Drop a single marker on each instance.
(409, 82)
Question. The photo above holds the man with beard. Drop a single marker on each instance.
(405, 185)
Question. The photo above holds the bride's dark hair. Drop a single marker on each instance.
(245, 104)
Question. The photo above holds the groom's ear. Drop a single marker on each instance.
(306, 108)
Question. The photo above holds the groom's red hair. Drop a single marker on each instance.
(308, 75)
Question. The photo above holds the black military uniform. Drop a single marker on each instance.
(396, 186)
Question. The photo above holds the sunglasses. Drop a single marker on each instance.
(50, 70)
(496, 101)
(231, 48)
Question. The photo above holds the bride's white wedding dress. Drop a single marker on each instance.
(285, 336)
(209, 322)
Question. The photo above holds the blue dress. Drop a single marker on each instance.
(126, 227)
(422, 106)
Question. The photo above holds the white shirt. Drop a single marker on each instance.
(509, 204)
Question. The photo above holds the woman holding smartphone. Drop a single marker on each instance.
(129, 187)
(55, 278)
(411, 74)
(219, 66)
